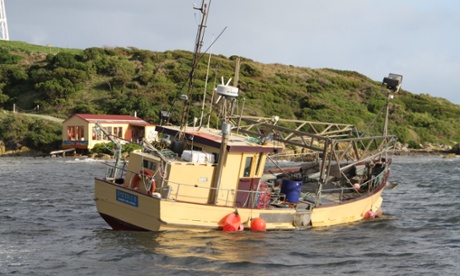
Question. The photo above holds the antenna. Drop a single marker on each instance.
(3, 25)
(198, 43)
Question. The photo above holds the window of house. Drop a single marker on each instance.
(96, 133)
(71, 133)
(75, 133)
(109, 131)
(79, 133)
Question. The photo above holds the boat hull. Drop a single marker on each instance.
(126, 209)
(352, 210)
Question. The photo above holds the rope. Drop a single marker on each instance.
(33, 110)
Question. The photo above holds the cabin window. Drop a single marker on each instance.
(149, 165)
(259, 159)
(247, 166)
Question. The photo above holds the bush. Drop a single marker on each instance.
(109, 148)
(17, 131)
(414, 145)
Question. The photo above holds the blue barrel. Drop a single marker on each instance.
(291, 189)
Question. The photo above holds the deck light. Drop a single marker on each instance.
(393, 82)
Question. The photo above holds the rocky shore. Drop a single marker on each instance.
(426, 149)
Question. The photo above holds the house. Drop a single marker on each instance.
(80, 130)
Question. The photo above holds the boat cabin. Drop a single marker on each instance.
(191, 171)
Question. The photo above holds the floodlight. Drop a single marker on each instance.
(393, 82)
(164, 116)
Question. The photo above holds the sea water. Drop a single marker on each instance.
(49, 226)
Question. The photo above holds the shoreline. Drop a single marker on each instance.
(412, 152)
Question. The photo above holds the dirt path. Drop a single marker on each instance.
(46, 117)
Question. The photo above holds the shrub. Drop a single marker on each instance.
(414, 145)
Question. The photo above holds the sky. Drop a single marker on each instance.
(418, 39)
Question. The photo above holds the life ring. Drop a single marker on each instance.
(138, 176)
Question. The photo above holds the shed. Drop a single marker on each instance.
(80, 131)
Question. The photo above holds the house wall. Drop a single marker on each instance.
(96, 136)
(81, 134)
(75, 133)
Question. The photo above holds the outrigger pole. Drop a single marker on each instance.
(116, 152)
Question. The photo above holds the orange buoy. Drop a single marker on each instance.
(369, 214)
(231, 222)
(258, 224)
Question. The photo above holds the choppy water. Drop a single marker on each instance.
(49, 226)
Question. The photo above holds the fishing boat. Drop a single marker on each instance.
(227, 178)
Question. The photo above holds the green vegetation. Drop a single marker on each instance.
(109, 148)
(127, 80)
(18, 131)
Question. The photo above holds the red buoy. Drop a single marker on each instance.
(231, 222)
(369, 214)
(258, 224)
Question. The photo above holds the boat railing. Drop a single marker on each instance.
(369, 185)
(115, 170)
(161, 154)
(171, 190)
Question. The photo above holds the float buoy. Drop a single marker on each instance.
(369, 214)
(138, 176)
(356, 186)
(231, 222)
(258, 224)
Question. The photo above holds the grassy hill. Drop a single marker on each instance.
(127, 80)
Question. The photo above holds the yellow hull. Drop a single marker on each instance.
(154, 214)
(347, 212)
(125, 209)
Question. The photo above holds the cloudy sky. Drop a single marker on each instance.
(416, 38)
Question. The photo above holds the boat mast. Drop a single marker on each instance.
(198, 44)
(205, 88)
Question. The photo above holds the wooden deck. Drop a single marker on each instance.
(63, 152)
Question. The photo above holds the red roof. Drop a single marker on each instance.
(92, 118)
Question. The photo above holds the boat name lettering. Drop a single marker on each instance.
(127, 198)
